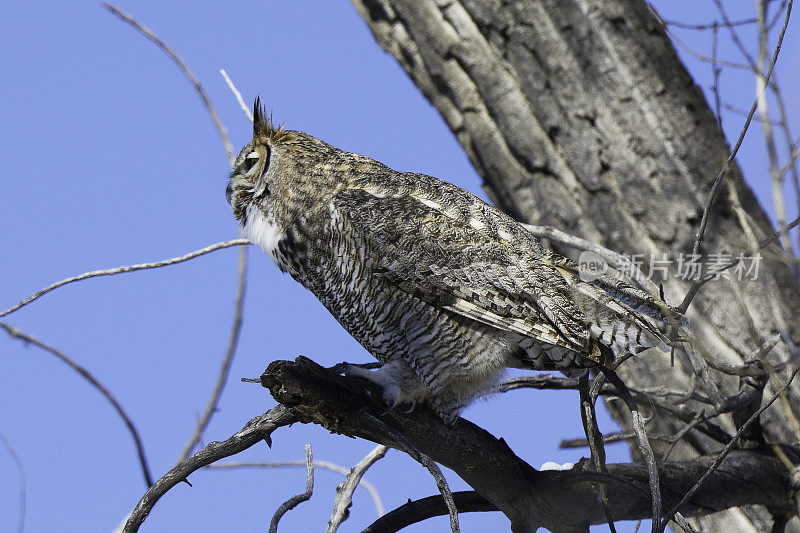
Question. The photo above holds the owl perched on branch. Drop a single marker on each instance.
(443, 289)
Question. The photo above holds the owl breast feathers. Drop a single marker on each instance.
(443, 289)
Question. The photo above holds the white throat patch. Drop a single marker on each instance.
(263, 231)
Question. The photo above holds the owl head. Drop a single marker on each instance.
(249, 181)
(281, 170)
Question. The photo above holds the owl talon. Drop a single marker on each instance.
(394, 406)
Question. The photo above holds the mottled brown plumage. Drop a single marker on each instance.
(442, 288)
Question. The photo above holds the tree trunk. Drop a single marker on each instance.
(579, 114)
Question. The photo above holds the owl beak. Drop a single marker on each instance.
(228, 192)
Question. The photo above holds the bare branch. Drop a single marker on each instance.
(769, 139)
(227, 360)
(735, 36)
(222, 377)
(637, 422)
(530, 498)
(29, 339)
(126, 268)
(258, 429)
(793, 152)
(555, 234)
(22, 482)
(550, 382)
(718, 180)
(416, 511)
(750, 367)
(186, 70)
(327, 465)
(237, 94)
(294, 501)
(706, 59)
(607, 439)
(763, 244)
(595, 440)
(698, 284)
(715, 72)
(726, 450)
(403, 444)
(344, 491)
(539, 381)
(735, 110)
(685, 26)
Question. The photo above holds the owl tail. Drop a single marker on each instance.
(625, 319)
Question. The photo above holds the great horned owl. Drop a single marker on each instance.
(443, 289)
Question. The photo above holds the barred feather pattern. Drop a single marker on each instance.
(443, 289)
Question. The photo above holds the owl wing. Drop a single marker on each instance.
(448, 263)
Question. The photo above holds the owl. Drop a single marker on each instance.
(446, 291)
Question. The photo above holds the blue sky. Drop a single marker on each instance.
(109, 159)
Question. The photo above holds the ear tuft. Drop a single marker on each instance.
(261, 124)
(264, 127)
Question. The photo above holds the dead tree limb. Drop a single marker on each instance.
(528, 497)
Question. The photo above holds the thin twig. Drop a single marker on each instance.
(607, 439)
(17, 334)
(22, 482)
(700, 368)
(698, 284)
(441, 483)
(344, 491)
(769, 240)
(538, 381)
(126, 268)
(225, 367)
(734, 35)
(706, 59)
(686, 526)
(227, 360)
(237, 94)
(186, 70)
(256, 430)
(750, 368)
(637, 423)
(294, 501)
(794, 473)
(414, 512)
(794, 153)
(699, 417)
(724, 453)
(612, 438)
(718, 180)
(326, 465)
(735, 110)
(685, 26)
(769, 138)
(595, 440)
(715, 71)
(777, 16)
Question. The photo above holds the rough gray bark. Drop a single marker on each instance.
(578, 114)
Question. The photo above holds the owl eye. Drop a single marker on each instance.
(250, 161)
(256, 161)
